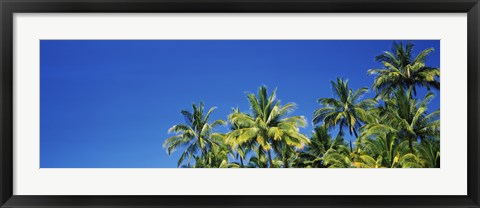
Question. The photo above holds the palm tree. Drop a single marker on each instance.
(194, 136)
(346, 109)
(407, 119)
(320, 142)
(400, 69)
(242, 150)
(267, 126)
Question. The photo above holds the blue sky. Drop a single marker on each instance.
(109, 104)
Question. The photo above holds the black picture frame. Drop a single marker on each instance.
(9, 7)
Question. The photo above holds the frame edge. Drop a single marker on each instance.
(7, 9)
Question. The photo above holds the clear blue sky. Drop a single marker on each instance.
(109, 104)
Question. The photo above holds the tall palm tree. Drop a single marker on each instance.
(400, 69)
(346, 109)
(407, 118)
(267, 125)
(194, 136)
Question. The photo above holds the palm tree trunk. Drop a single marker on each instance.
(355, 132)
(410, 144)
(270, 158)
(285, 163)
(358, 139)
(241, 161)
(204, 155)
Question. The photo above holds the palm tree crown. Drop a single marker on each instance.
(407, 118)
(345, 110)
(267, 125)
(194, 136)
(400, 69)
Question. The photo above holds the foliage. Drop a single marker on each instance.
(406, 118)
(267, 126)
(392, 130)
(401, 70)
(194, 136)
(345, 110)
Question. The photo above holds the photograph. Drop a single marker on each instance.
(239, 103)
